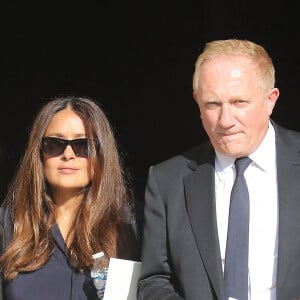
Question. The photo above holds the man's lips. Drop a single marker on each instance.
(228, 133)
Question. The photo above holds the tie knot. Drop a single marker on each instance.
(241, 165)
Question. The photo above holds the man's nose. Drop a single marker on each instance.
(226, 117)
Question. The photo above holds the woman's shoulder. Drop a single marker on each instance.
(128, 240)
(5, 223)
(3, 214)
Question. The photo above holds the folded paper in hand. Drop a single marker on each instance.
(122, 279)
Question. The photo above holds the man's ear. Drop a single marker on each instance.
(195, 96)
(272, 99)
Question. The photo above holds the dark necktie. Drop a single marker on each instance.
(236, 258)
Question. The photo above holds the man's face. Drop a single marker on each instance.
(234, 107)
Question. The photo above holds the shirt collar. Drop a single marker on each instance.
(265, 155)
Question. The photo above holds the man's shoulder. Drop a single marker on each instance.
(288, 136)
(191, 157)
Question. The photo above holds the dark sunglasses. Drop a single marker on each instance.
(53, 146)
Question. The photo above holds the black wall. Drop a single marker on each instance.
(137, 60)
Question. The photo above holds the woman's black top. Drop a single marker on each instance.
(57, 279)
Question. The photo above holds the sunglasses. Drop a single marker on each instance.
(53, 146)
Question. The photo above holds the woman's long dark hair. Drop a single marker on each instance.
(32, 209)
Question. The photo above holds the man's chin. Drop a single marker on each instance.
(233, 149)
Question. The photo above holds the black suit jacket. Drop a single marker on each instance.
(181, 254)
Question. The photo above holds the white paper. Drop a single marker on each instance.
(122, 279)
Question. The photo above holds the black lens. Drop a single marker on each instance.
(80, 147)
(52, 146)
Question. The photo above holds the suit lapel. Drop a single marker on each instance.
(200, 200)
(288, 170)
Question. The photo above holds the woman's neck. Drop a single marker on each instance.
(65, 213)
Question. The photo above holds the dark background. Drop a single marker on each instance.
(137, 60)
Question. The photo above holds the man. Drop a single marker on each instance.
(188, 196)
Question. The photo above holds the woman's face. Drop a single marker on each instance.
(66, 172)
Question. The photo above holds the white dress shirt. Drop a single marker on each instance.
(261, 178)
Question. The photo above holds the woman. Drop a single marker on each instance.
(68, 200)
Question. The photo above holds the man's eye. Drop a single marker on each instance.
(240, 102)
(211, 105)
